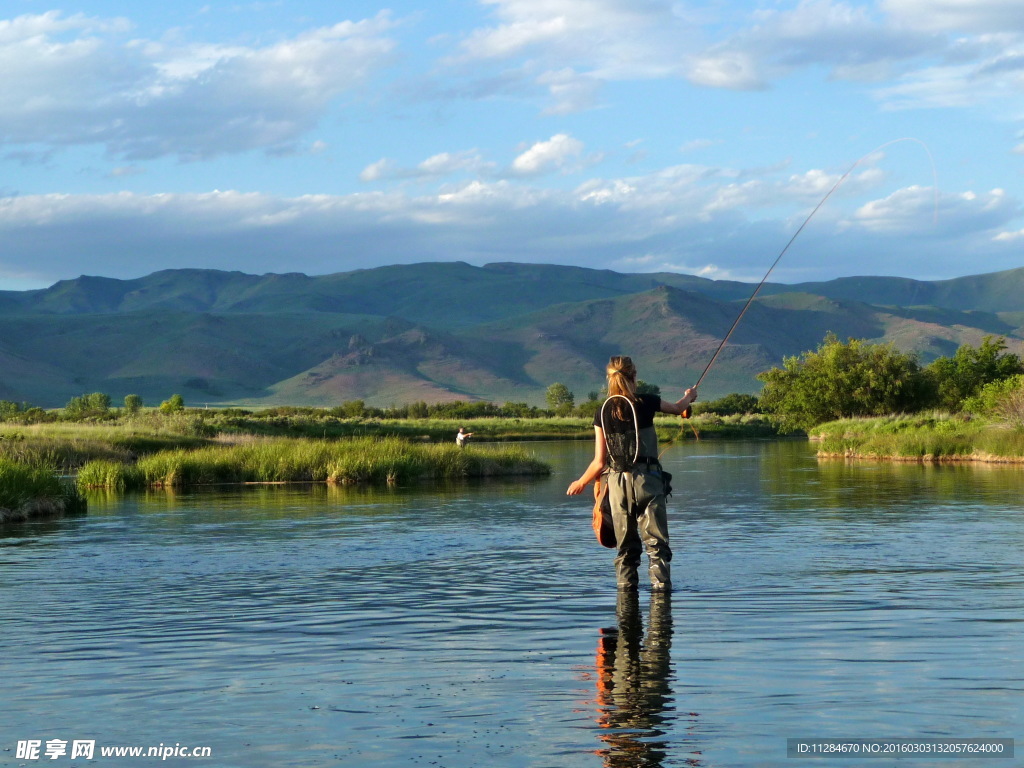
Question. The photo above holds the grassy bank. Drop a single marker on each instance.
(920, 437)
(66, 446)
(30, 492)
(359, 460)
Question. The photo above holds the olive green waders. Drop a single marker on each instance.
(637, 500)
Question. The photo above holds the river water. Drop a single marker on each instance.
(478, 624)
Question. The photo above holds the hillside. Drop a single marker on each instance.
(446, 331)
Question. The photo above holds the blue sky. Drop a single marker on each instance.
(633, 135)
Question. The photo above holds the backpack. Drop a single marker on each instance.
(623, 447)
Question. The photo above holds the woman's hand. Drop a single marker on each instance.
(679, 407)
(576, 488)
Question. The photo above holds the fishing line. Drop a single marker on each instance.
(736, 322)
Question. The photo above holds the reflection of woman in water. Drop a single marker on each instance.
(634, 695)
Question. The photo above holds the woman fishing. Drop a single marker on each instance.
(626, 451)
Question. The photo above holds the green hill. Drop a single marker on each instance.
(442, 331)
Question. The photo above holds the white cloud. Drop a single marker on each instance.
(436, 166)
(1009, 237)
(570, 91)
(612, 35)
(569, 48)
(446, 163)
(844, 38)
(736, 69)
(918, 210)
(993, 74)
(958, 15)
(559, 153)
(706, 219)
(73, 80)
(378, 170)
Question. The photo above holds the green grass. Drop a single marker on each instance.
(425, 430)
(32, 491)
(930, 437)
(491, 429)
(358, 460)
(66, 446)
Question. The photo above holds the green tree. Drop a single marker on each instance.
(9, 410)
(962, 376)
(643, 388)
(560, 399)
(841, 380)
(735, 403)
(91, 406)
(513, 410)
(174, 404)
(996, 397)
(353, 409)
(132, 404)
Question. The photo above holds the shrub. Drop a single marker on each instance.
(841, 380)
(174, 404)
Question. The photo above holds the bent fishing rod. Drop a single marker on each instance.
(796, 234)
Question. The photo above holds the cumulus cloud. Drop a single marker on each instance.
(77, 80)
(919, 210)
(698, 217)
(946, 52)
(559, 153)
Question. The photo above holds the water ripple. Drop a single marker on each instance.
(479, 625)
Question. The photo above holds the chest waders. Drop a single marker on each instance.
(636, 498)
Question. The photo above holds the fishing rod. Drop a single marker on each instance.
(796, 234)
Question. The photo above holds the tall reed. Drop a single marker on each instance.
(29, 491)
(934, 437)
(358, 460)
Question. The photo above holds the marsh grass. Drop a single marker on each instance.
(425, 430)
(64, 447)
(30, 491)
(491, 429)
(359, 460)
(924, 437)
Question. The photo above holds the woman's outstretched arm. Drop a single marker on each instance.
(680, 405)
(596, 466)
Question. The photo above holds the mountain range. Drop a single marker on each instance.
(447, 331)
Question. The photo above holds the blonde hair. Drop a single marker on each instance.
(621, 375)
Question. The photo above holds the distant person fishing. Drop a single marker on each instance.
(626, 463)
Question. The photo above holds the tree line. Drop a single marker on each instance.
(857, 378)
(837, 380)
(95, 406)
